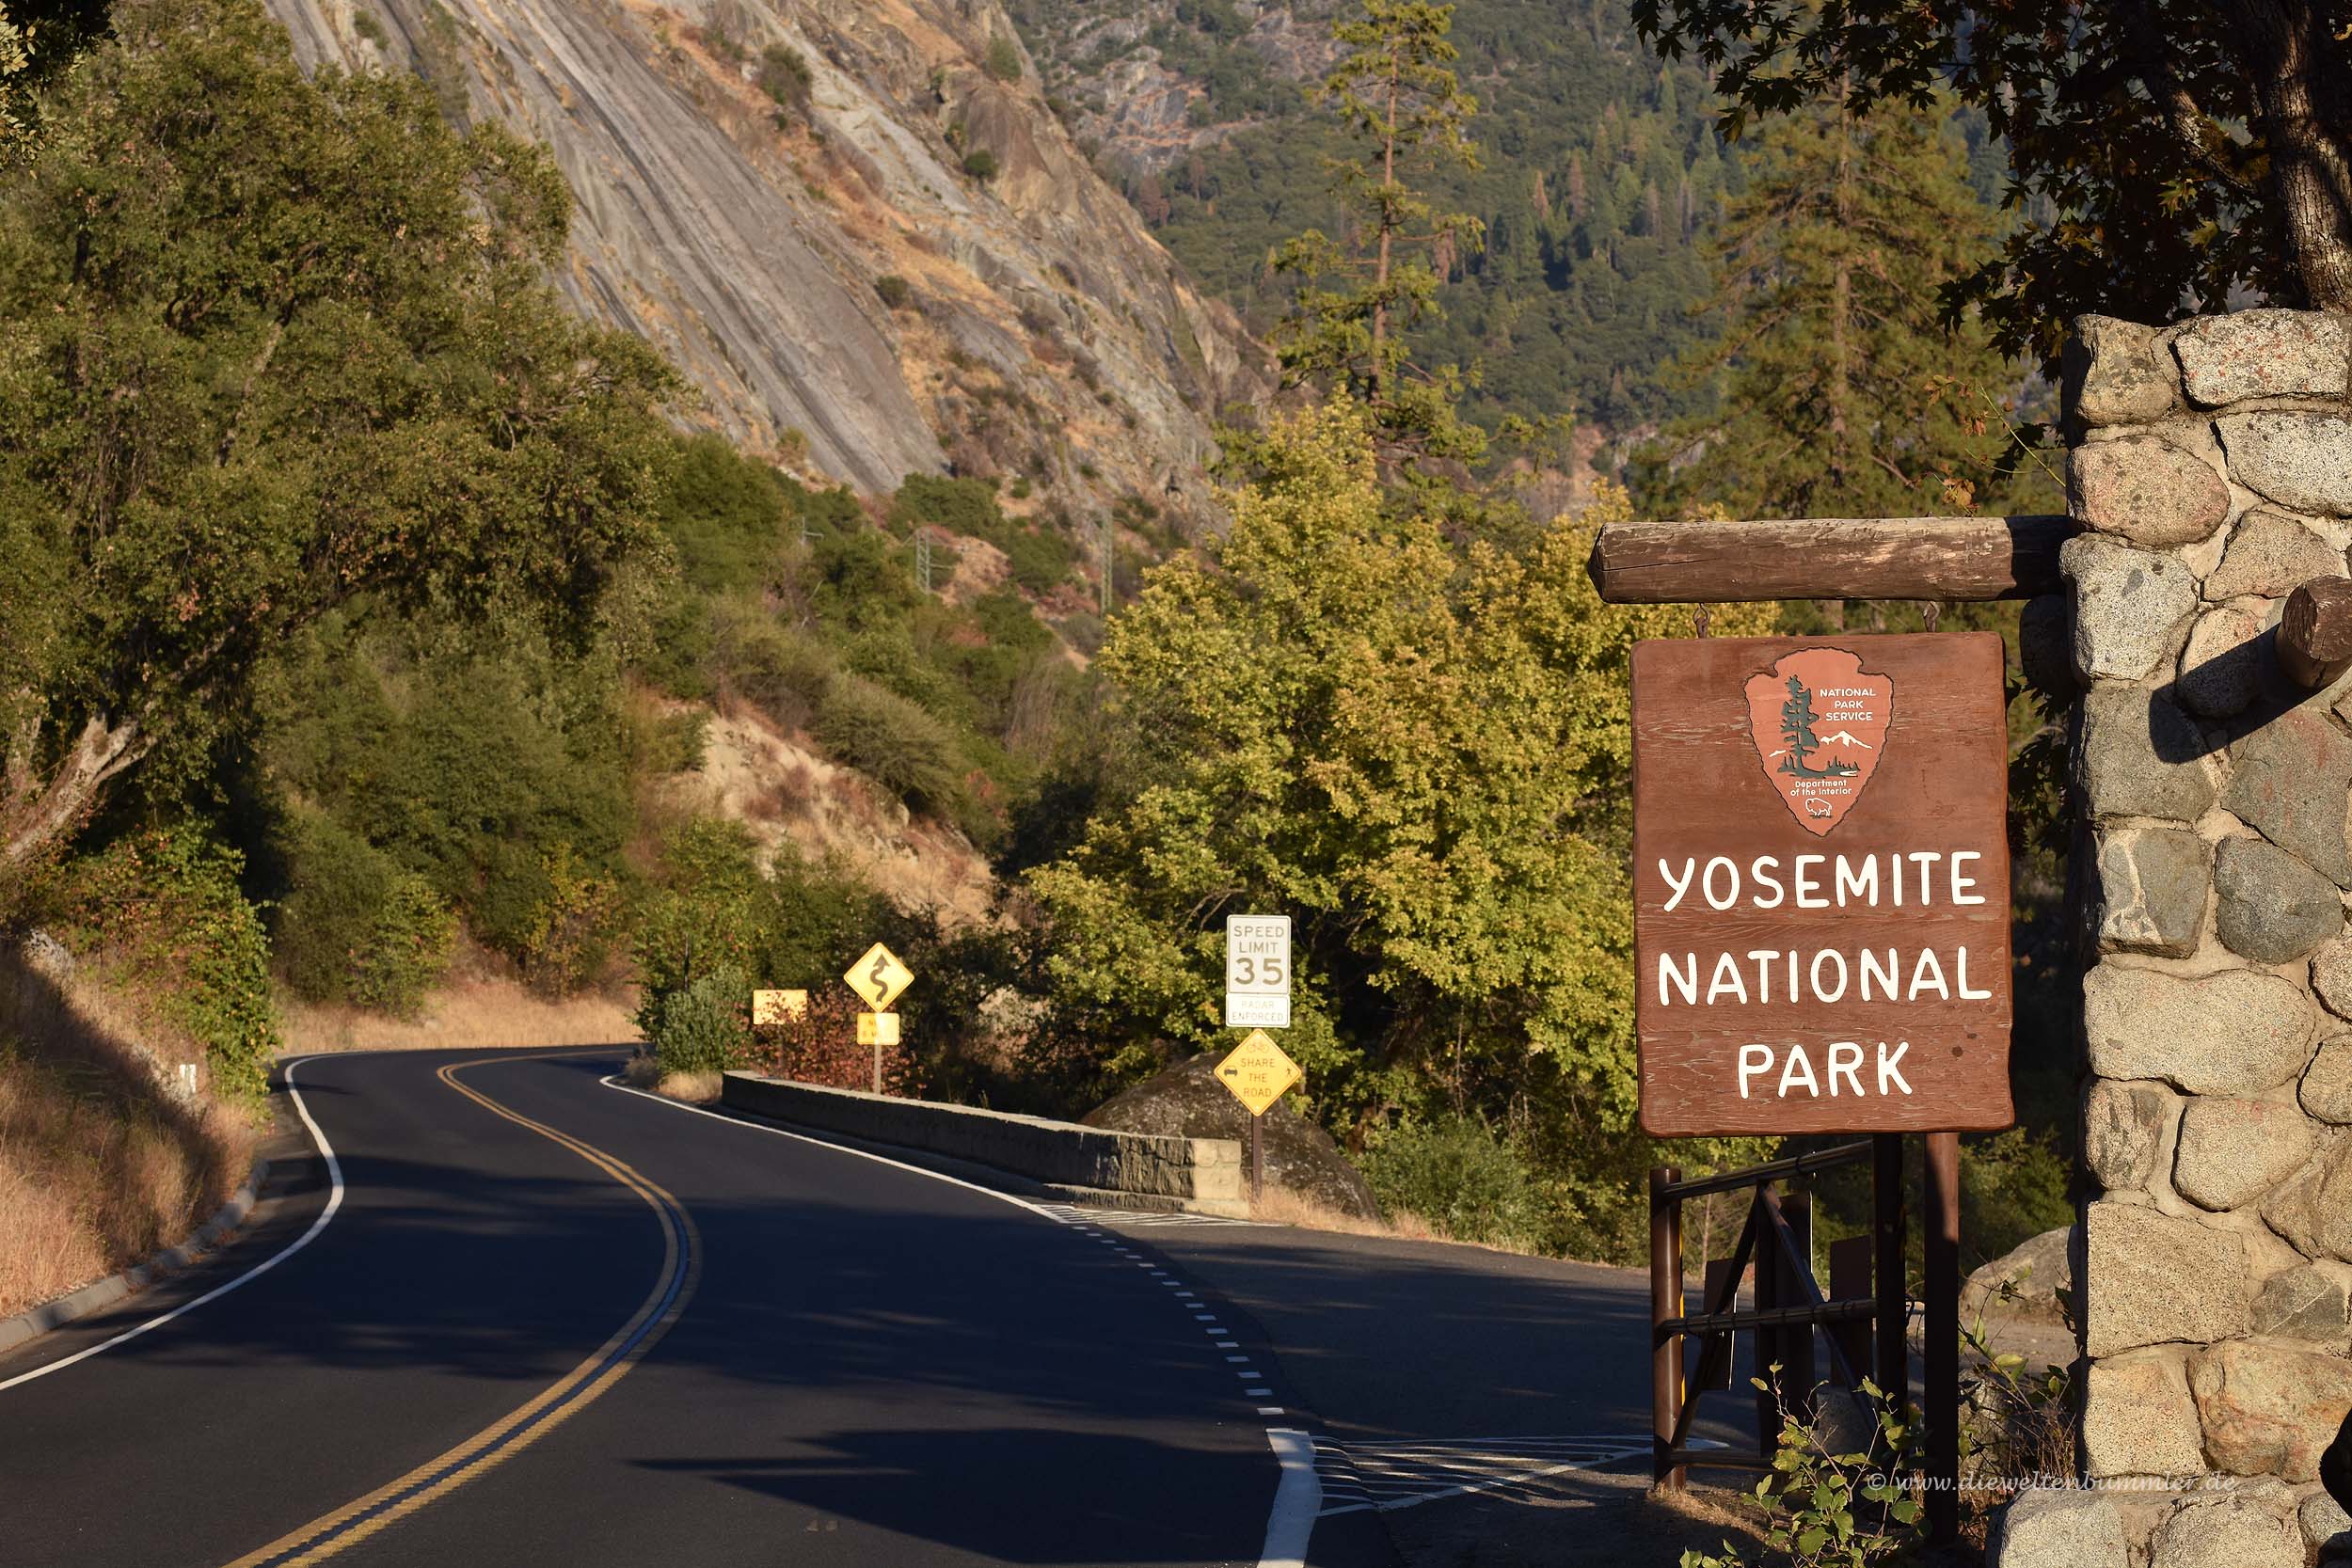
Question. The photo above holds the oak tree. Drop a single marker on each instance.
(269, 345)
(2164, 153)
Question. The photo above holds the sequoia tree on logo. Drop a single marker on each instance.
(1796, 735)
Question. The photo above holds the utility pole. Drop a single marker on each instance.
(1109, 588)
(922, 559)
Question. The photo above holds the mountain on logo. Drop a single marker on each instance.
(1847, 737)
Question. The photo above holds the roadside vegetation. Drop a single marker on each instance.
(321, 686)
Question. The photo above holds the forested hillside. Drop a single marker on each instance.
(1602, 177)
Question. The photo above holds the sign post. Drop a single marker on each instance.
(878, 976)
(1259, 1072)
(1821, 944)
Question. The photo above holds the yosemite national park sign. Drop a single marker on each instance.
(1821, 884)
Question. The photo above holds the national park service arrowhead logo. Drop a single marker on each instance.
(1820, 726)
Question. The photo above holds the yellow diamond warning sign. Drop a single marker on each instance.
(1257, 1073)
(879, 977)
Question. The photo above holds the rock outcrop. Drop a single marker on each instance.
(1034, 326)
(1187, 1102)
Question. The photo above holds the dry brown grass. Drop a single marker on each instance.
(96, 1169)
(1282, 1206)
(472, 1010)
(695, 1088)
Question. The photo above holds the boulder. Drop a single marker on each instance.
(2046, 1528)
(2111, 373)
(2270, 1410)
(2271, 555)
(2131, 607)
(2325, 1092)
(2237, 1032)
(2223, 1530)
(2301, 461)
(2263, 353)
(2221, 668)
(2152, 883)
(2291, 781)
(2139, 755)
(2138, 1416)
(2039, 1271)
(2146, 490)
(2231, 1152)
(2273, 908)
(1187, 1102)
(2123, 1130)
(2149, 1278)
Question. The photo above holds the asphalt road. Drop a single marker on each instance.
(550, 1320)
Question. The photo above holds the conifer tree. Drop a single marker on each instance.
(1397, 96)
(1842, 393)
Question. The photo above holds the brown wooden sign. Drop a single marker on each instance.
(1821, 884)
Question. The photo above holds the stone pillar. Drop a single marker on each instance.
(2213, 474)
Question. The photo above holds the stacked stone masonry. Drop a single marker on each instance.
(2212, 471)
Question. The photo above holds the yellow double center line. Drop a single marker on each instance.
(681, 1268)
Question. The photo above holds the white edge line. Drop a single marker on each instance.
(334, 1201)
(1297, 1496)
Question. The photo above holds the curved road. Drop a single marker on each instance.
(550, 1320)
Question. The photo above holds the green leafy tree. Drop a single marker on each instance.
(2164, 153)
(1419, 749)
(1841, 392)
(39, 40)
(1396, 94)
(268, 345)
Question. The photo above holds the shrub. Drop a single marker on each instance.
(780, 671)
(357, 927)
(784, 78)
(1456, 1175)
(569, 941)
(725, 512)
(703, 1027)
(895, 291)
(1003, 59)
(166, 906)
(892, 741)
(965, 506)
(408, 950)
(980, 163)
(1040, 559)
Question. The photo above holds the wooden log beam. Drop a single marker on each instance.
(2315, 632)
(1942, 559)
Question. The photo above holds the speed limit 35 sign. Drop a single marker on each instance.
(1257, 971)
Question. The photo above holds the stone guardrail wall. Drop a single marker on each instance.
(2213, 473)
(1197, 1175)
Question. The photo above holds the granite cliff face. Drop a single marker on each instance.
(1037, 326)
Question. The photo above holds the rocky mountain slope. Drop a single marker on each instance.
(857, 228)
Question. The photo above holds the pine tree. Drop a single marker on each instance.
(1843, 393)
(1397, 96)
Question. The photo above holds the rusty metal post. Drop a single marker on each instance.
(1665, 1301)
(1890, 1227)
(1257, 1159)
(1796, 1342)
(1942, 1355)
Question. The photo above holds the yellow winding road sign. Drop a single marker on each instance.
(1259, 1072)
(879, 977)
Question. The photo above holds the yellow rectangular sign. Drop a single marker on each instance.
(878, 1028)
(778, 1006)
(1259, 1071)
(879, 977)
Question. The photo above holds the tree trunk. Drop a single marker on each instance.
(1840, 390)
(2304, 88)
(37, 815)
